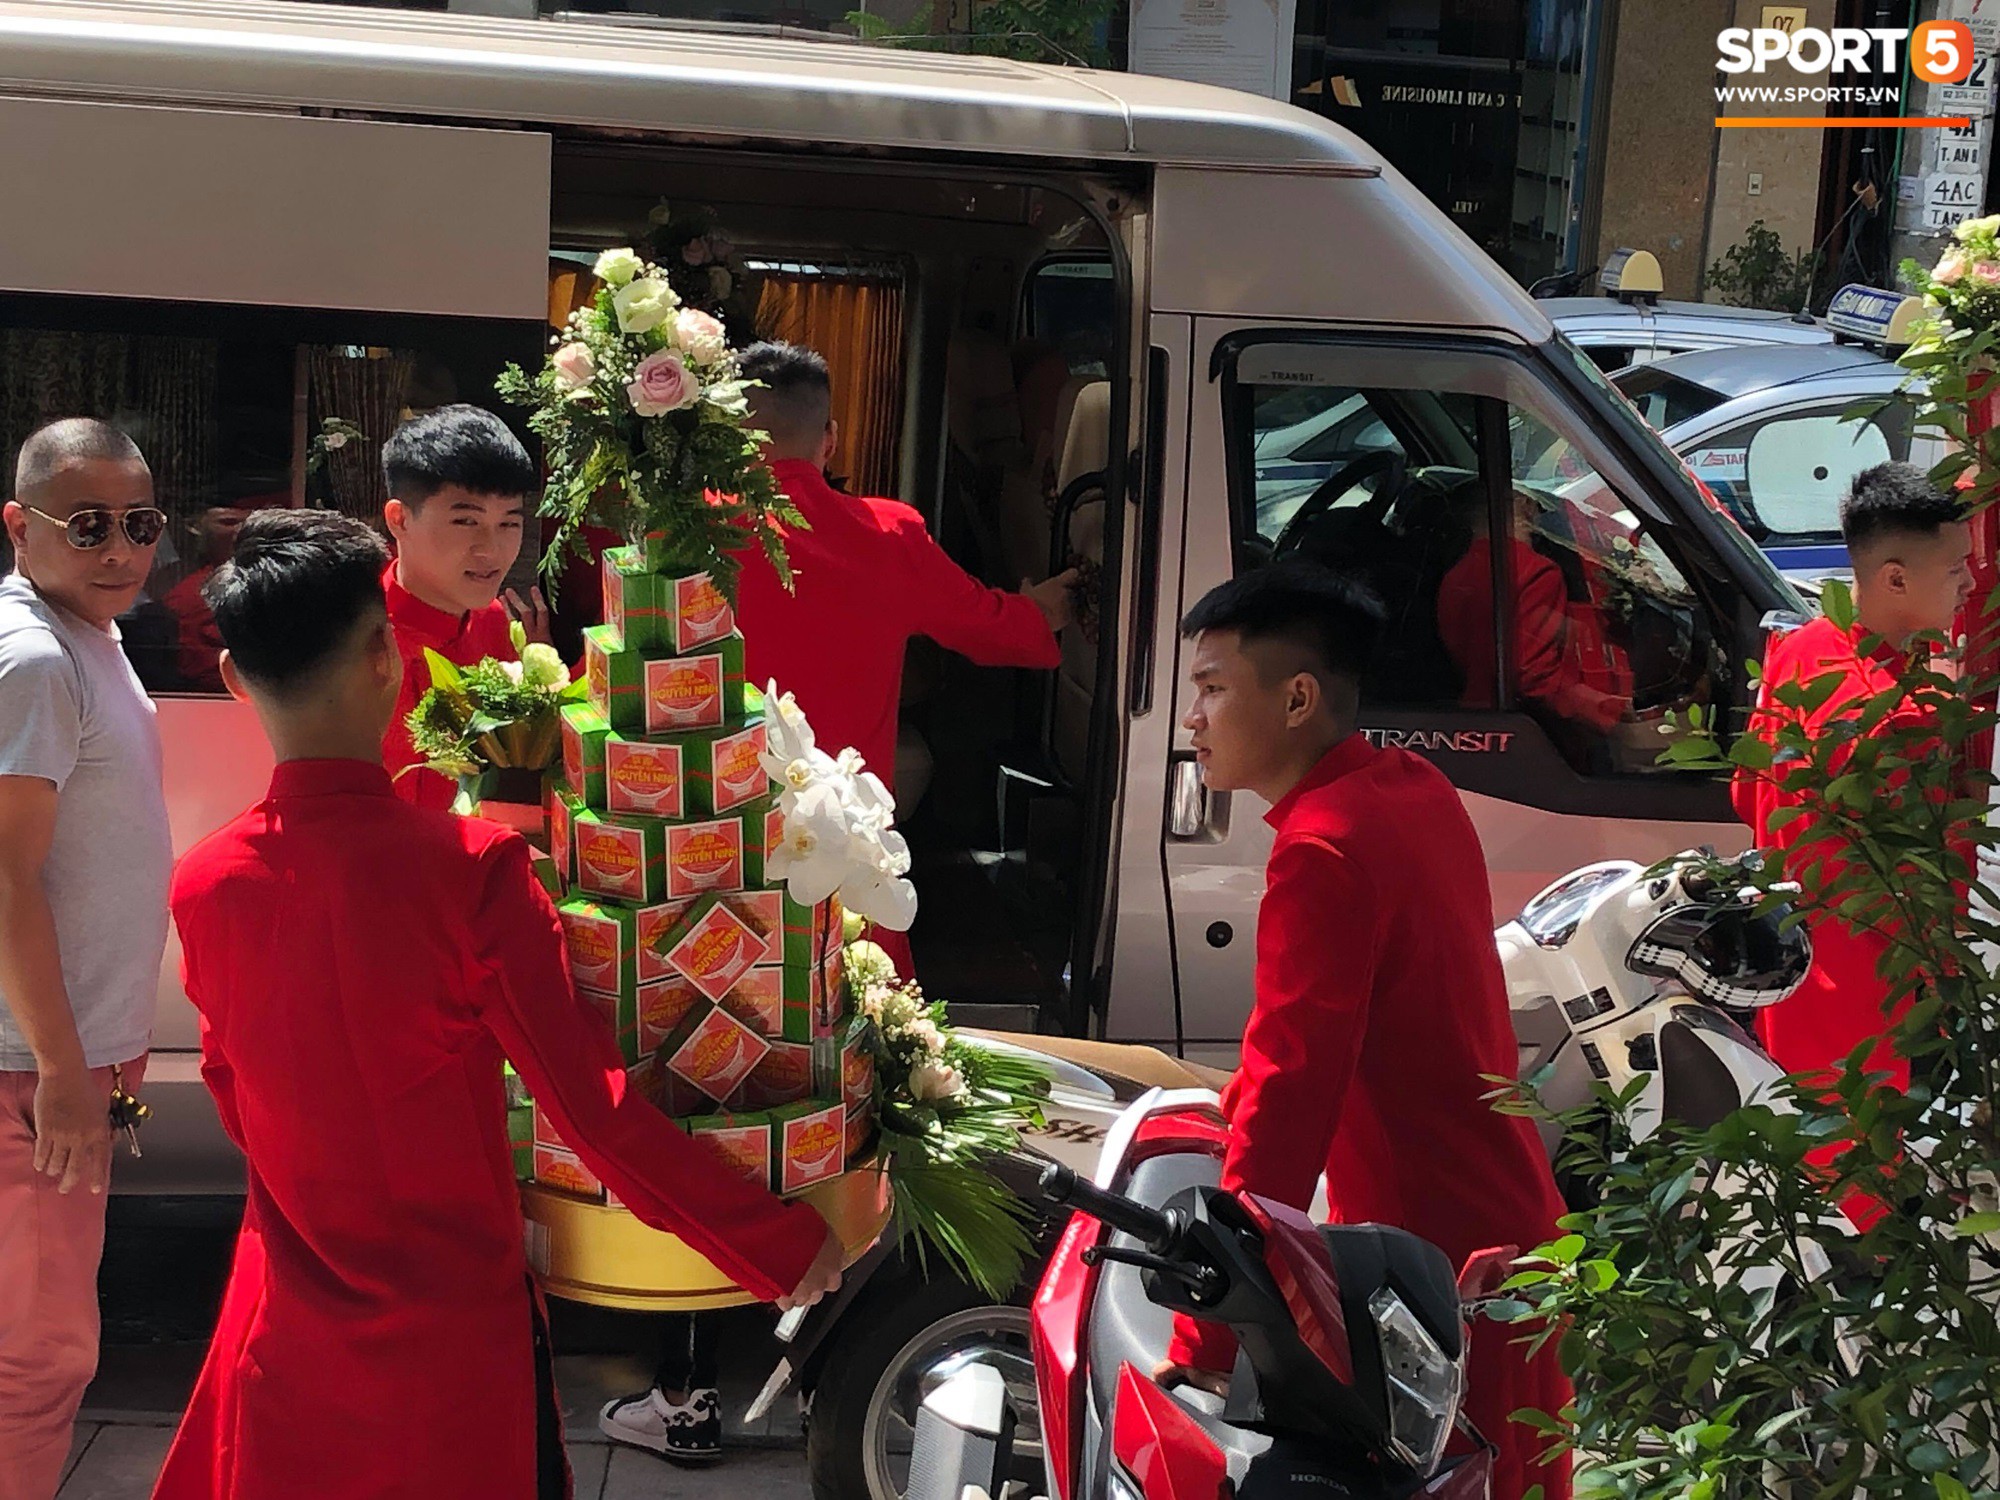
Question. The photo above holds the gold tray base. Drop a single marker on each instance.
(591, 1252)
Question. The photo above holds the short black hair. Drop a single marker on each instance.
(1333, 616)
(293, 592)
(54, 446)
(796, 398)
(463, 445)
(1894, 500)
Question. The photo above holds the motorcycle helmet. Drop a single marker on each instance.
(1728, 953)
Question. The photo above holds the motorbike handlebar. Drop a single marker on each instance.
(1153, 1229)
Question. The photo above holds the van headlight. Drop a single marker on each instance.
(1425, 1384)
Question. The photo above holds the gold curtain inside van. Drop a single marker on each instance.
(853, 316)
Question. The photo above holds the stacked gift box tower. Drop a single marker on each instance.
(725, 995)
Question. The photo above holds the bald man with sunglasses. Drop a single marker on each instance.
(85, 858)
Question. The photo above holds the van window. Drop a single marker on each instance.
(1072, 301)
(235, 409)
(1782, 475)
(1580, 619)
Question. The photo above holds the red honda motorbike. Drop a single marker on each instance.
(1350, 1368)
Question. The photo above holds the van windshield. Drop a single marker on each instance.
(1611, 397)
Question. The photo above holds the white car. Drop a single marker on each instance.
(1778, 434)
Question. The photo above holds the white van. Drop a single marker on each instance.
(230, 220)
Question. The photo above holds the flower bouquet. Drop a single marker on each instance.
(703, 267)
(944, 1108)
(479, 722)
(1954, 351)
(643, 421)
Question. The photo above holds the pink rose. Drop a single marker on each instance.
(1950, 269)
(574, 366)
(660, 384)
(700, 336)
(695, 252)
(1986, 272)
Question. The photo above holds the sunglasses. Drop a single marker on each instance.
(90, 528)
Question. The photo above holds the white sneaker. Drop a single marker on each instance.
(690, 1433)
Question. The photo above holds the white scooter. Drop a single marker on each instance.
(1619, 970)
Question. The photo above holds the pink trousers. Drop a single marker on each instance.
(50, 1246)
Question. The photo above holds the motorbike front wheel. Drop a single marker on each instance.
(906, 1337)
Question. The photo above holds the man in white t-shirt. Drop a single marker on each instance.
(85, 857)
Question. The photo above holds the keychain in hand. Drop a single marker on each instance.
(127, 1113)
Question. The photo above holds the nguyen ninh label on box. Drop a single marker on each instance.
(620, 856)
(743, 1141)
(602, 953)
(714, 1051)
(712, 947)
(662, 1006)
(683, 692)
(784, 1075)
(704, 857)
(701, 612)
(812, 1144)
(641, 776)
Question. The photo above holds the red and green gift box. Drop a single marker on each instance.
(620, 856)
(603, 945)
(584, 731)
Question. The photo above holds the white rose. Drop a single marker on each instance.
(934, 1082)
(868, 966)
(574, 365)
(642, 305)
(542, 666)
(617, 267)
(513, 671)
(702, 337)
(720, 283)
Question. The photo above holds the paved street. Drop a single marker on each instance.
(163, 1272)
(117, 1461)
(129, 1418)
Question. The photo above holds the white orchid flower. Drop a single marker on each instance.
(839, 822)
(785, 727)
(887, 902)
(800, 772)
(813, 858)
(870, 791)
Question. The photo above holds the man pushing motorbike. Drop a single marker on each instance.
(1380, 1007)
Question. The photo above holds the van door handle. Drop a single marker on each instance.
(1194, 813)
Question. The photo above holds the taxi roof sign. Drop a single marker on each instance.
(1870, 315)
(1632, 276)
